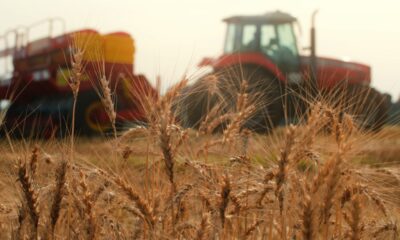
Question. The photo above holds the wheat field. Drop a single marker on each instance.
(322, 178)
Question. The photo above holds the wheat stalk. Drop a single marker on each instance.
(355, 223)
(74, 82)
(59, 193)
(143, 207)
(30, 196)
(106, 99)
(224, 198)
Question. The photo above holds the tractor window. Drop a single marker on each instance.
(6, 69)
(249, 38)
(230, 38)
(278, 42)
(287, 54)
(286, 38)
(268, 40)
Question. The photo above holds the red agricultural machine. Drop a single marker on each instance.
(264, 51)
(34, 85)
(261, 49)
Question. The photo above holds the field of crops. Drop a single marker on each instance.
(326, 177)
(320, 179)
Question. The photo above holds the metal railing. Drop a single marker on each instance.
(18, 38)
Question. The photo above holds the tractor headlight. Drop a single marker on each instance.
(5, 79)
(4, 104)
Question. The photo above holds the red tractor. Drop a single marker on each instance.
(34, 84)
(263, 50)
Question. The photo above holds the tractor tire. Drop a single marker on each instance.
(88, 107)
(195, 102)
(369, 108)
(264, 91)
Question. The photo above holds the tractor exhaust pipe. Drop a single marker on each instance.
(313, 52)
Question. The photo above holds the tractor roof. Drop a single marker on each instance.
(269, 17)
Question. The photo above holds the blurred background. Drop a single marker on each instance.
(172, 36)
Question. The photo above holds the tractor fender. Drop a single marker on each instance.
(253, 59)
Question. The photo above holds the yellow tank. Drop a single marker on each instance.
(115, 47)
(90, 42)
(118, 48)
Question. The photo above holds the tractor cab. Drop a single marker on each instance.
(271, 34)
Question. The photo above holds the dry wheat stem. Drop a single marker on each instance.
(106, 99)
(59, 193)
(30, 196)
(224, 198)
(74, 82)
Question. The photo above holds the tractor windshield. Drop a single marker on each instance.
(278, 42)
(242, 38)
(230, 39)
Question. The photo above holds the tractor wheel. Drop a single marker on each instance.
(264, 91)
(221, 89)
(89, 112)
(369, 107)
(195, 102)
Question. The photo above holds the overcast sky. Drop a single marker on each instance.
(173, 35)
